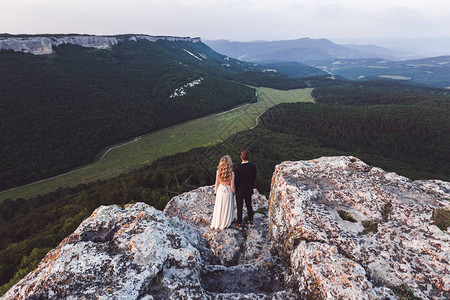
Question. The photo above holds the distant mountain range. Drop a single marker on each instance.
(300, 50)
(415, 47)
(355, 62)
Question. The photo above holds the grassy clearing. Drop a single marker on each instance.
(182, 137)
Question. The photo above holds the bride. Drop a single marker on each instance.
(224, 190)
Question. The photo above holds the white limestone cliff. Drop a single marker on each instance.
(44, 45)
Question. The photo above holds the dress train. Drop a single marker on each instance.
(223, 214)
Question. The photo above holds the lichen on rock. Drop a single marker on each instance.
(334, 258)
(116, 253)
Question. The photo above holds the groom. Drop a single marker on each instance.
(244, 182)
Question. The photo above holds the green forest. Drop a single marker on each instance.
(58, 111)
(414, 135)
(377, 92)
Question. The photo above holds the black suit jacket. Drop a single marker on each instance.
(244, 178)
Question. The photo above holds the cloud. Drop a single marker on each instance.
(231, 19)
(333, 11)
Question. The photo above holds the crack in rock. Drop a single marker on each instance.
(239, 263)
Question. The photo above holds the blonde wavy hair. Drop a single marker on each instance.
(225, 168)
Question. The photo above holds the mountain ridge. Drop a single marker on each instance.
(299, 50)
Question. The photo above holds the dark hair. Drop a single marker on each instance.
(245, 154)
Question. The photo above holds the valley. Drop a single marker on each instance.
(145, 149)
(144, 119)
(82, 93)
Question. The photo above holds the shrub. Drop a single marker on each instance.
(404, 292)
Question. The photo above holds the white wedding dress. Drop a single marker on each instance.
(223, 214)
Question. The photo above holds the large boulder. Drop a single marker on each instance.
(351, 231)
(231, 246)
(118, 254)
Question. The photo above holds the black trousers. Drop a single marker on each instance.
(247, 197)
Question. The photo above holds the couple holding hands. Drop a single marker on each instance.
(240, 182)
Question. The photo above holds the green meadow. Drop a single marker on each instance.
(182, 137)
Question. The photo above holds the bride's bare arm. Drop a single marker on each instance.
(217, 182)
(232, 182)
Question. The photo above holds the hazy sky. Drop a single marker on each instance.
(240, 20)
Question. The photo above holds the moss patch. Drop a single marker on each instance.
(386, 210)
(261, 210)
(346, 216)
(370, 226)
(404, 292)
(441, 218)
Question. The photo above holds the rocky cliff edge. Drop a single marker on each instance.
(351, 231)
(333, 228)
(138, 252)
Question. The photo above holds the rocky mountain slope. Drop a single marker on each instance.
(315, 243)
(138, 252)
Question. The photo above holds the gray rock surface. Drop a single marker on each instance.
(333, 258)
(137, 252)
(153, 38)
(44, 45)
(118, 254)
(238, 263)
